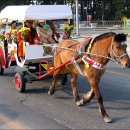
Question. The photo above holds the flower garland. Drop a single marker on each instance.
(67, 31)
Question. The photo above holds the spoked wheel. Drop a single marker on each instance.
(20, 82)
(62, 79)
(1, 69)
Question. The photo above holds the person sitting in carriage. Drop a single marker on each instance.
(26, 34)
(13, 26)
(10, 36)
(44, 32)
(55, 34)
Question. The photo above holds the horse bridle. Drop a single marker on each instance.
(112, 53)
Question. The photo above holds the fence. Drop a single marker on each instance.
(108, 23)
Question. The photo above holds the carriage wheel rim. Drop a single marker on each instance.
(17, 83)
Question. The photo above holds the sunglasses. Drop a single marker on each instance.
(30, 22)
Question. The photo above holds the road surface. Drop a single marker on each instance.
(35, 109)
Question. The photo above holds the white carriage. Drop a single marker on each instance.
(37, 63)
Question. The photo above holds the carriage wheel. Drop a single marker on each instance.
(62, 79)
(20, 82)
(1, 69)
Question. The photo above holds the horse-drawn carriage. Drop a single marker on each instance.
(88, 59)
(36, 56)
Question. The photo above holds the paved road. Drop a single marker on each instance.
(35, 109)
(15, 114)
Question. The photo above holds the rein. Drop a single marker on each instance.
(87, 60)
(65, 48)
(58, 52)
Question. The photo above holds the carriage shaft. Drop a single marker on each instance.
(51, 71)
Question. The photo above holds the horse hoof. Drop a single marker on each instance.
(80, 103)
(50, 92)
(107, 120)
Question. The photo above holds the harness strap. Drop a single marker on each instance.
(90, 46)
(81, 47)
(58, 52)
(77, 66)
(93, 63)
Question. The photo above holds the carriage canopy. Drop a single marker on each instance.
(35, 12)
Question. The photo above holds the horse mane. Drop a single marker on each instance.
(121, 37)
(104, 35)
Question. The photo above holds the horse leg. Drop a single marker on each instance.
(88, 97)
(52, 86)
(95, 87)
(74, 89)
(57, 62)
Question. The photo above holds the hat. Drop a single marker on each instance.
(41, 20)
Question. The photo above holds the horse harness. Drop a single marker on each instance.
(86, 43)
(81, 55)
(88, 61)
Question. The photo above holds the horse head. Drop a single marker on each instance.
(118, 51)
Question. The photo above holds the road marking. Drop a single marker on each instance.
(12, 124)
(113, 72)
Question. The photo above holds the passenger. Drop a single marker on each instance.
(55, 34)
(13, 31)
(44, 32)
(13, 25)
(10, 36)
(32, 37)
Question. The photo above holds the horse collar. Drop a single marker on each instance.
(83, 45)
(93, 63)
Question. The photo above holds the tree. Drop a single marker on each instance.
(99, 9)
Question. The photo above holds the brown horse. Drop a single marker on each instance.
(105, 47)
